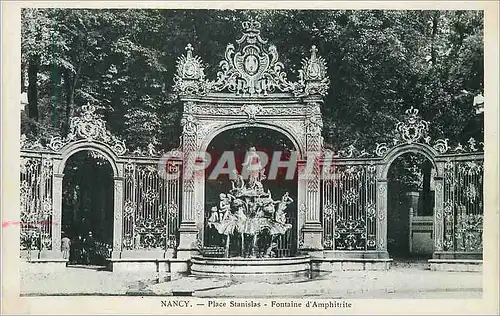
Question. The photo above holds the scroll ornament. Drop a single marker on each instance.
(89, 126)
(251, 69)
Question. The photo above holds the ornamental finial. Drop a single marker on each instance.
(189, 50)
(314, 50)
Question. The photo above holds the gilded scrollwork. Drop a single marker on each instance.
(313, 77)
(350, 233)
(190, 75)
(189, 124)
(89, 126)
(252, 68)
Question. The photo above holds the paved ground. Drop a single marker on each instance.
(402, 281)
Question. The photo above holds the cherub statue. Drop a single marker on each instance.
(225, 202)
(282, 205)
(214, 216)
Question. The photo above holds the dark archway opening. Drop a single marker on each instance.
(410, 208)
(87, 212)
(238, 142)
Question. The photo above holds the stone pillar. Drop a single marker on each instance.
(118, 217)
(382, 213)
(199, 207)
(438, 215)
(313, 230)
(57, 187)
(188, 230)
(413, 200)
(301, 202)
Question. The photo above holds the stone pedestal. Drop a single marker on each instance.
(313, 239)
(48, 255)
(45, 265)
(187, 241)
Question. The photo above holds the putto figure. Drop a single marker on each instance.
(250, 213)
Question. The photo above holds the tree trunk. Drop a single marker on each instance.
(23, 78)
(68, 87)
(435, 25)
(33, 66)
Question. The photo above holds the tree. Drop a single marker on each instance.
(380, 63)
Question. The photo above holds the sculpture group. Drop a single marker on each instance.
(250, 212)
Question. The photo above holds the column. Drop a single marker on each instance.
(313, 230)
(188, 230)
(438, 216)
(382, 212)
(57, 187)
(117, 217)
(301, 202)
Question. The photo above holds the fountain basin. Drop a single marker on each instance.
(255, 269)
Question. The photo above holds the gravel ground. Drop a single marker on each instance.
(411, 281)
(83, 281)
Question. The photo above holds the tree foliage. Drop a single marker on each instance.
(380, 63)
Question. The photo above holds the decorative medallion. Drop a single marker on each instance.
(46, 208)
(351, 196)
(471, 193)
(371, 210)
(129, 208)
(328, 242)
(251, 111)
(173, 209)
(150, 196)
(328, 211)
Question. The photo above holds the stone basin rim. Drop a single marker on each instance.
(241, 259)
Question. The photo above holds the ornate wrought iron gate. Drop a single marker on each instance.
(147, 200)
(349, 207)
(151, 207)
(462, 206)
(36, 203)
(354, 192)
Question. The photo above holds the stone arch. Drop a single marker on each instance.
(72, 148)
(294, 138)
(65, 153)
(415, 148)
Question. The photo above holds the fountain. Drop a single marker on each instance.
(250, 214)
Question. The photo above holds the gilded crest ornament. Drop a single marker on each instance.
(413, 127)
(90, 127)
(313, 77)
(251, 68)
(190, 76)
